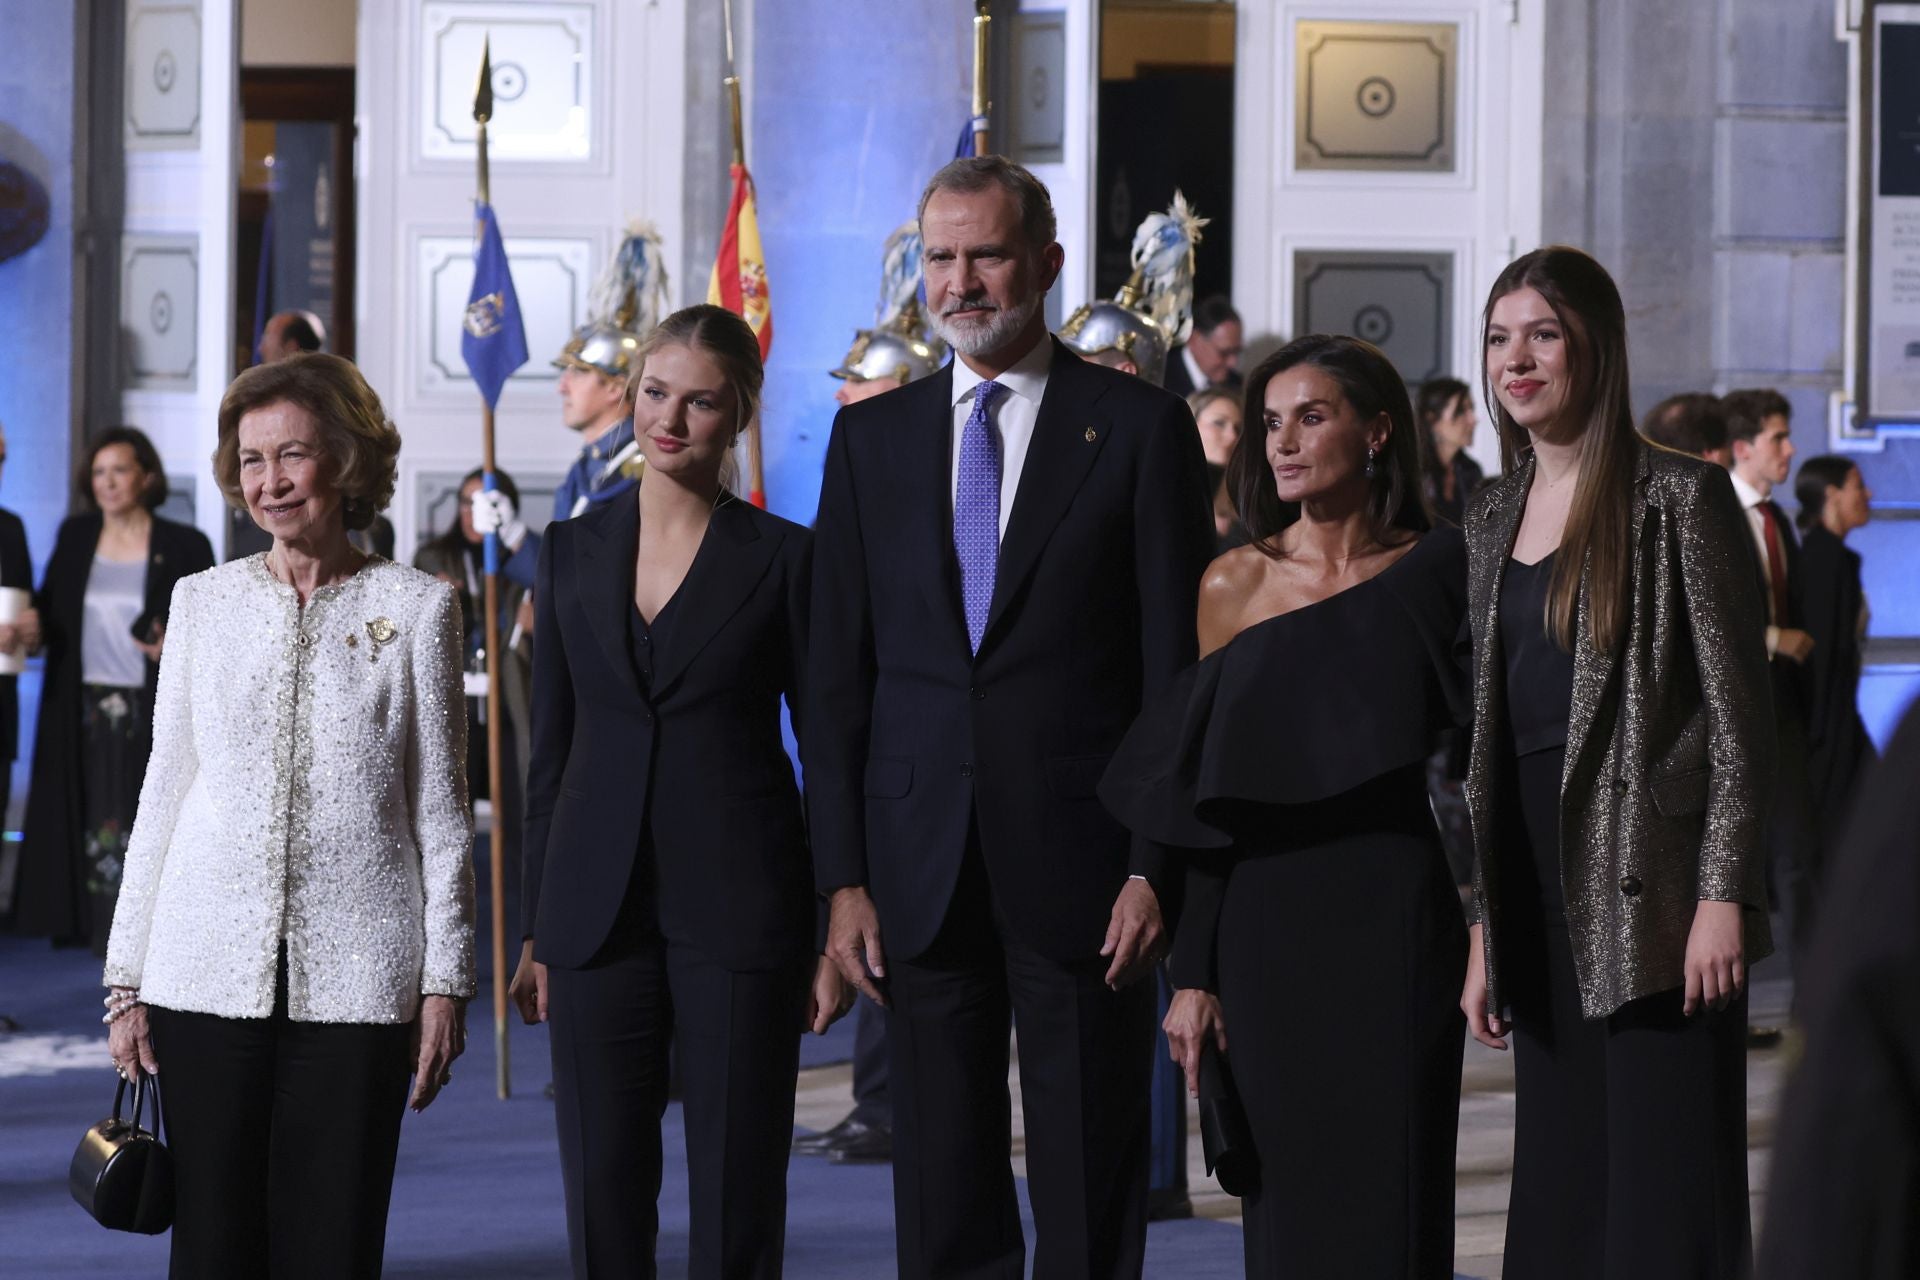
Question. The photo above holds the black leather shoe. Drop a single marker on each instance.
(819, 1144)
(1164, 1204)
(862, 1143)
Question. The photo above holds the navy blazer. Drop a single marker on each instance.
(914, 738)
(693, 767)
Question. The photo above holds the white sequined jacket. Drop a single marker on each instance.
(307, 784)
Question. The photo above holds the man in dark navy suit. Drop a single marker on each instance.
(1008, 556)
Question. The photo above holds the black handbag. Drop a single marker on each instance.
(1226, 1139)
(121, 1174)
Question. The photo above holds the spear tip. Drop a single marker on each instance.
(483, 96)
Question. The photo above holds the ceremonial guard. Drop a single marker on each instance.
(1133, 332)
(900, 348)
(1153, 311)
(594, 369)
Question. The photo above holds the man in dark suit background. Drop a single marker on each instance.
(1762, 446)
(1007, 564)
(1211, 354)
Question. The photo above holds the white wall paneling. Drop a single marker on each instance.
(1475, 195)
(588, 132)
(177, 248)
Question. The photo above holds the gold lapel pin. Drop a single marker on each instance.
(380, 631)
(1091, 435)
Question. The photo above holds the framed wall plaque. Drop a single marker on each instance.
(1378, 96)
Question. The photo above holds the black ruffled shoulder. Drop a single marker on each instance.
(1304, 706)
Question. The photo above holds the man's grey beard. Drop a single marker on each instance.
(996, 331)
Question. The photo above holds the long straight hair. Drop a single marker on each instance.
(1594, 547)
(1372, 386)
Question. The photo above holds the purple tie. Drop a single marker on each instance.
(976, 511)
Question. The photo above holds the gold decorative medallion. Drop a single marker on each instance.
(1091, 435)
(381, 631)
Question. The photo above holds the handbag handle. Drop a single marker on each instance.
(144, 1086)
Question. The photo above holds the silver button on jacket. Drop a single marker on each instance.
(307, 784)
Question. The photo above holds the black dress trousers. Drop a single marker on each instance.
(284, 1136)
(1086, 1066)
(611, 1023)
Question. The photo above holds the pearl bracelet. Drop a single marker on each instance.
(119, 1004)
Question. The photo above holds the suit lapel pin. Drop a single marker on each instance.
(380, 631)
(1092, 435)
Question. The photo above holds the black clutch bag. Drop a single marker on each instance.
(1225, 1137)
(121, 1174)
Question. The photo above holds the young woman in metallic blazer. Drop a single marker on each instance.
(1621, 754)
(668, 889)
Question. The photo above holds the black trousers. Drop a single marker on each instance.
(1630, 1133)
(1793, 846)
(1085, 1070)
(284, 1136)
(739, 1041)
(871, 1100)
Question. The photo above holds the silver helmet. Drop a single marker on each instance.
(625, 305)
(901, 345)
(1153, 311)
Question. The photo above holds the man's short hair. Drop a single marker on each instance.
(1212, 312)
(972, 174)
(1747, 410)
(300, 331)
(1691, 422)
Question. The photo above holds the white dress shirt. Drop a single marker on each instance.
(308, 786)
(1750, 500)
(1200, 380)
(1013, 415)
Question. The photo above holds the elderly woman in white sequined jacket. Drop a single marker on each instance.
(294, 934)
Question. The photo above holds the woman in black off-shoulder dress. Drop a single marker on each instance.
(1321, 940)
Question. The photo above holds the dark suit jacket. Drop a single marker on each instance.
(1177, 380)
(693, 769)
(16, 570)
(52, 834)
(1844, 1195)
(1828, 594)
(914, 739)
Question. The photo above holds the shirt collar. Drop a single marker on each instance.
(1749, 496)
(612, 442)
(1027, 378)
(1200, 380)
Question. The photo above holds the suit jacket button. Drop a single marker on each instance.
(979, 694)
(966, 771)
(1630, 885)
(1620, 786)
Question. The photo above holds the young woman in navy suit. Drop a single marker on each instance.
(668, 891)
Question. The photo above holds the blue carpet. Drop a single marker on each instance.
(477, 1193)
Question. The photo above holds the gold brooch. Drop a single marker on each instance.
(380, 631)
(1091, 434)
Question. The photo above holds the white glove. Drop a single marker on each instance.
(494, 513)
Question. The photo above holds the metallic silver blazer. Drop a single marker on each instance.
(1669, 742)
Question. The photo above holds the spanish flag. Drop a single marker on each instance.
(739, 279)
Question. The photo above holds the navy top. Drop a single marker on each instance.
(1539, 671)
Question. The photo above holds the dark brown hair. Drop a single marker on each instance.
(1810, 486)
(1436, 398)
(1593, 549)
(155, 491)
(1691, 422)
(360, 443)
(1748, 410)
(1371, 385)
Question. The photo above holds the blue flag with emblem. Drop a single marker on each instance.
(493, 343)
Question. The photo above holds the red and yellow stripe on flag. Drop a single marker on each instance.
(739, 279)
(739, 283)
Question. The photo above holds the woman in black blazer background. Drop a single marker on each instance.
(668, 888)
(103, 612)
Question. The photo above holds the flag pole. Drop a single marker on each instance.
(982, 20)
(497, 836)
(756, 474)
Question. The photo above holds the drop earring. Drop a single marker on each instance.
(1370, 453)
